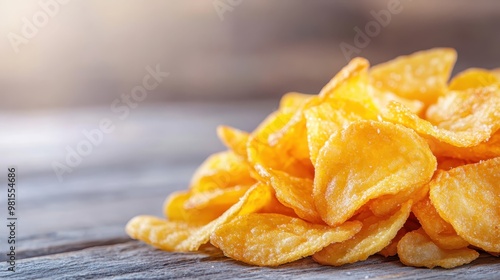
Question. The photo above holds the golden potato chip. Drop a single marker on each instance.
(159, 233)
(296, 193)
(273, 239)
(473, 78)
(389, 203)
(417, 249)
(276, 156)
(329, 117)
(181, 236)
(472, 110)
(422, 75)
(219, 198)
(365, 161)
(382, 98)
(293, 101)
(392, 249)
(440, 231)
(484, 150)
(466, 131)
(174, 209)
(234, 139)
(467, 197)
(221, 170)
(374, 236)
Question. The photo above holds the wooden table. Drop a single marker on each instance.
(74, 229)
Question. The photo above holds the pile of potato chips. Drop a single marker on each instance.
(392, 159)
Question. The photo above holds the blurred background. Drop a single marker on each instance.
(65, 64)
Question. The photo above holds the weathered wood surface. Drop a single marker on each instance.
(134, 260)
(74, 229)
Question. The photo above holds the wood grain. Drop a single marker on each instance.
(134, 260)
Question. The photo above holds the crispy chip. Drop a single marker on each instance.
(295, 193)
(422, 75)
(365, 161)
(375, 235)
(273, 239)
(484, 150)
(417, 249)
(389, 203)
(392, 249)
(473, 78)
(441, 232)
(465, 131)
(234, 139)
(278, 155)
(221, 170)
(325, 119)
(293, 101)
(174, 209)
(467, 197)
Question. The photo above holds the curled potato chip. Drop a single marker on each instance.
(293, 101)
(277, 156)
(365, 161)
(473, 111)
(422, 75)
(375, 235)
(468, 131)
(484, 150)
(160, 233)
(473, 78)
(417, 249)
(329, 117)
(181, 236)
(392, 249)
(382, 98)
(296, 193)
(234, 139)
(389, 203)
(221, 170)
(440, 231)
(174, 208)
(273, 239)
(467, 197)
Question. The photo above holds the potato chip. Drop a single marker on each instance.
(484, 150)
(175, 211)
(382, 98)
(296, 193)
(234, 139)
(293, 101)
(473, 78)
(417, 249)
(392, 249)
(329, 117)
(468, 131)
(473, 110)
(219, 198)
(389, 203)
(421, 76)
(446, 164)
(440, 231)
(273, 239)
(275, 156)
(467, 197)
(365, 161)
(221, 170)
(375, 235)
